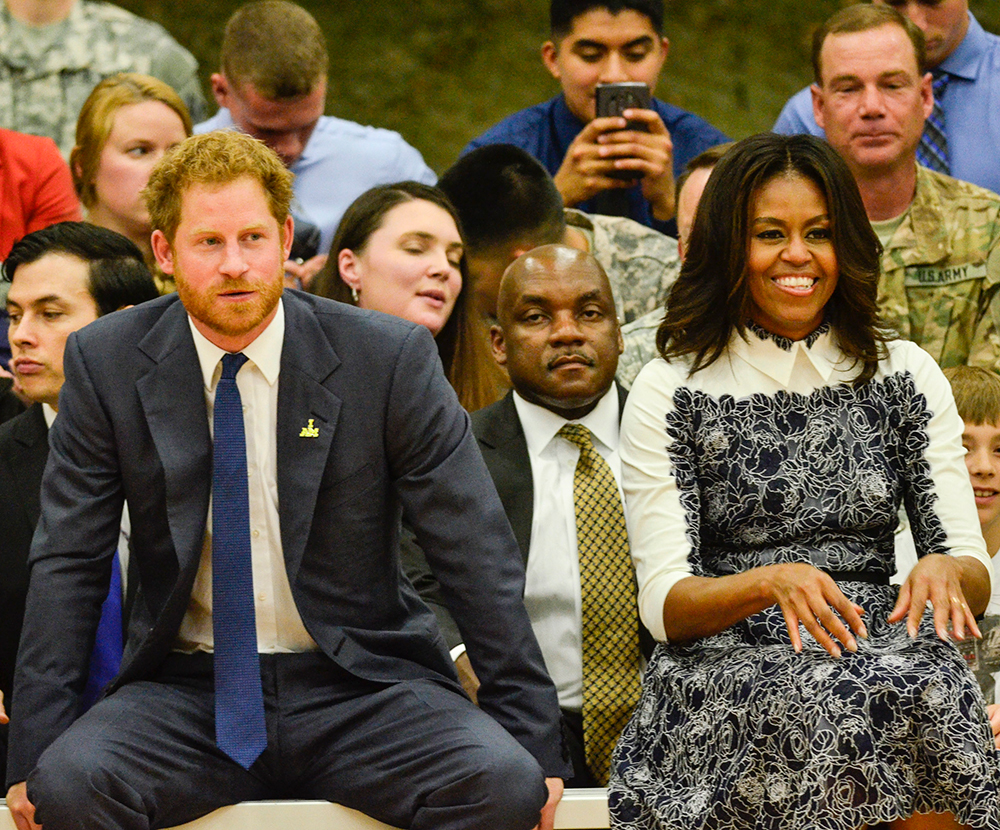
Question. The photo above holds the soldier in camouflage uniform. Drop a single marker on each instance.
(508, 204)
(641, 263)
(47, 71)
(940, 272)
(639, 336)
(941, 265)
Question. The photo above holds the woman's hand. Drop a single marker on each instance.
(810, 597)
(937, 578)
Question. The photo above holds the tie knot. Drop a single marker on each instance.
(231, 364)
(939, 82)
(577, 434)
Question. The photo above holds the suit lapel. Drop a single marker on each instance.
(173, 399)
(31, 439)
(505, 450)
(307, 419)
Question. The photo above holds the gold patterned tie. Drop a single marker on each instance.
(610, 617)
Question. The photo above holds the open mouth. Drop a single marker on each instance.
(984, 496)
(796, 283)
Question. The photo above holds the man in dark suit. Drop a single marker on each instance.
(558, 337)
(273, 649)
(62, 278)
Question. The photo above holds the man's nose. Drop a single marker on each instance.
(566, 328)
(24, 332)
(288, 146)
(614, 69)
(872, 102)
(234, 263)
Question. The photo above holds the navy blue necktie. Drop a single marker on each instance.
(106, 657)
(932, 151)
(240, 731)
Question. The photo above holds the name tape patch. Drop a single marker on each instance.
(933, 275)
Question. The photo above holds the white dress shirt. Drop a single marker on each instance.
(552, 588)
(279, 626)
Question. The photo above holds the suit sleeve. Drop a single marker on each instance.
(69, 568)
(458, 521)
(419, 573)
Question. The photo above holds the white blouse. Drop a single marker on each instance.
(664, 529)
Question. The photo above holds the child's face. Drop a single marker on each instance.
(982, 441)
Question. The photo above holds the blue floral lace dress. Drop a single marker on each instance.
(769, 456)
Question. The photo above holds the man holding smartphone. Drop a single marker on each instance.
(597, 42)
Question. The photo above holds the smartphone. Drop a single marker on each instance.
(614, 99)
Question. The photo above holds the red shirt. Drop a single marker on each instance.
(36, 189)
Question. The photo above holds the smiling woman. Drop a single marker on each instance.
(399, 250)
(765, 459)
(126, 125)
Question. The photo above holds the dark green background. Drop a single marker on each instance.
(442, 71)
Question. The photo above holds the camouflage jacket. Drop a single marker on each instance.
(639, 337)
(641, 263)
(43, 94)
(941, 271)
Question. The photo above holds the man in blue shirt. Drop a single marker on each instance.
(969, 57)
(272, 85)
(605, 41)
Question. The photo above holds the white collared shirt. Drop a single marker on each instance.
(279, 625)
(552, 587)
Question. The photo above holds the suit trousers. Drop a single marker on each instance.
(411, 754)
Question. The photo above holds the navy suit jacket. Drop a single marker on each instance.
(392, 441)
(24, 446)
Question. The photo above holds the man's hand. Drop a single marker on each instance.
(606, 145)
(649, 153)
(300, 274)
(467, 676)
(22, 810)
(548, 817)
(3, 712)
(586, 165)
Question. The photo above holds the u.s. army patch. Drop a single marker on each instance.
(932, 276)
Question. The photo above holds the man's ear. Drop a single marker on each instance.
(621, 341)
(220, 89)
(927, 94)
(498, 345)
(817, 99)
(162, 251)
(550, 52)
(288, 235)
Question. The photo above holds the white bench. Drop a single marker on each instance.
(578, 810)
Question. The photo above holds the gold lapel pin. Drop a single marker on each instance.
(309, 431)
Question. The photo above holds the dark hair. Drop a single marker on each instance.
(462, 342)
(504, 197)
(118, 273)
(562, 13)
(711, 299)
(705, 160)
(862, 17)
(977, 394)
